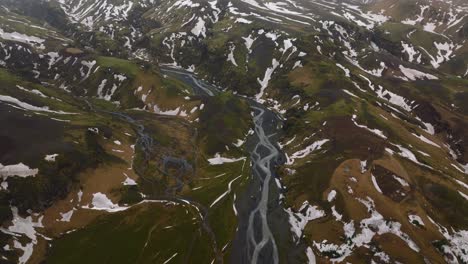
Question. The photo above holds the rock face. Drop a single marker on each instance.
(246, 131)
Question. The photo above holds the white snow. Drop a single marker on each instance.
(102, 203)
(376, 185)
(412, 53)
(429, 27)
(363, 166)
(346, 70)
(305, 152)
(376, 224)
(33, 91)
(183, 3)
(444, 53)
(199, 28)
(239, 143)
(350, 93)
(413, 74)
(249, 42)
(415, 220)
(457, 243)
(266, 78)
(79, 195)
(429, 128)
(462, 183)
(26, 106)
(23, 226)
(15, 36)
(100, 88)
(297, 64)
(375, 131)
(89, 65)
(299, 220)
(401, 181)
(310, 256)
(128, 181)
(174, 112)
(231, 58)
(426, 140)
(419, 17)
(51, 157)
(463, 195)
(331, 196)
(406, 153)
(170, 258)
(335, 214)
(228, 191)
(19, 170)
(242, 20)
(66, 217)
(394, 98)
(218, 160)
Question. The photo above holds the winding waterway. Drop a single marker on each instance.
(261, 219)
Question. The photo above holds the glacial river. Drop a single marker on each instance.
(262, 220)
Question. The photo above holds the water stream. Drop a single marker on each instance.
(261, 219)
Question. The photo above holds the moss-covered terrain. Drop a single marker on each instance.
(115, 159)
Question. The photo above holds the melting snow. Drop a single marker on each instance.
(411, 52)
(228, 191)
(346, 70)
(406, 153)
(331, 196)
(15, 36)
(26, 106)
(66, 217)
(242, 20)
(23, 226)
(413, 74)
(363, 166)
(463, 195)
(310, 256)
(248, 43)
(174, 112)
(401, 181)
(89, 65)
(217, 160)
(199, 28)
(375, 131)
(371, 226)
(266, 79)
(303, 153)
(51, 157)
(231, 58)
(426, 140)
(429, 27)
(128, 181)
(457, 243)
(101, 202)
(19, 169)
(299, 220)
(415, 220)
(376, 185)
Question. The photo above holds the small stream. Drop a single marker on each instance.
(146, 143)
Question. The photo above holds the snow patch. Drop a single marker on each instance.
(218, 160)
(51, 157)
